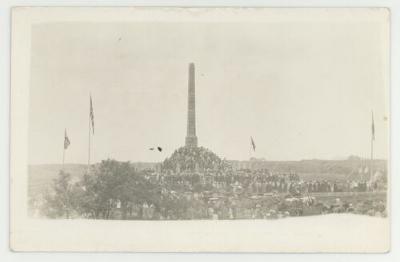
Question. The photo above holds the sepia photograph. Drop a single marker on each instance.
(271, 124)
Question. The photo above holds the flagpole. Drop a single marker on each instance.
(63, 157)
(372, 157)
(65, 134)
(89, 141)
(250, 150)
(372, 145)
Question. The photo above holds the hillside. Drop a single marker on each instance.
(315, 168)
(41, 176)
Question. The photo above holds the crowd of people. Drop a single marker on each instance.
(260, 182)
(195, 184)
(211, 205)
(192, 159)
(253, 194)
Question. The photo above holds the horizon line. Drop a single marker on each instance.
(248, 160)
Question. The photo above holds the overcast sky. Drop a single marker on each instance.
(301, 90)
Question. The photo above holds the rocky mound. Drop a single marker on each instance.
(190, 159)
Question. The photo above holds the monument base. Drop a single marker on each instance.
(191, 141)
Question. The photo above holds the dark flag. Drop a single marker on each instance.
(253, 144)
(91, 114)
(66, 140)
(373, 128)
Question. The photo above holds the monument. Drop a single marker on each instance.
(191, 157)
(191, 138)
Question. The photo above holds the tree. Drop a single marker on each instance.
(109, 192)
(114, 184)
(60, 203)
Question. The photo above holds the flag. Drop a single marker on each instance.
(373, 128)
(66, 140)
(91, 114)
(253, 144)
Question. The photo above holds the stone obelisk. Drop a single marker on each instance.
(191, 138)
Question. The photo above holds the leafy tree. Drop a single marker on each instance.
(114, 184)
(111, 190)
(61, 203)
